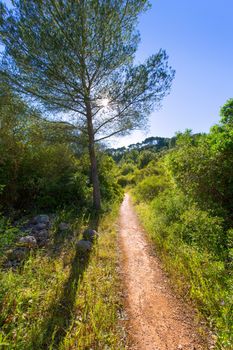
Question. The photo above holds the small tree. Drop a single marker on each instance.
(77, 57)
(226, 112)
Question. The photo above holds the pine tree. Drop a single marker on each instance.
(78, 57)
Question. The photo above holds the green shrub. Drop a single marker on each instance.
(127, 168)
(149, 187)
(145, 158)
(109, 187)
(170, 204)
(123, 181)
(200, 229)
(8, 234)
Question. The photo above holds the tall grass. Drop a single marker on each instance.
(62, 299)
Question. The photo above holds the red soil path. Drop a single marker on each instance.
(157, 319)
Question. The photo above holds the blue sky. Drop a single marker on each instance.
(197, 36)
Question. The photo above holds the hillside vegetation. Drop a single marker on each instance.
(184, 199)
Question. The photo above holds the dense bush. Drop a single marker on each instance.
(109, 187)
(183, 221)
(127, 168)
(45, 164)
(201, 230)
(203, 169)
(149, 187)
(145, 158)
(8, 234)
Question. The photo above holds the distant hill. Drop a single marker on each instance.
(153, 143)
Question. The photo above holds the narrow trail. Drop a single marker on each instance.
(157, 319)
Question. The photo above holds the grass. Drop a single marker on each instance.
(95, 322)
(194, 274)
(8, 235)
(60, 299)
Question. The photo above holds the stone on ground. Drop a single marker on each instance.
(90, 235)
(28, 241)
(84, 246)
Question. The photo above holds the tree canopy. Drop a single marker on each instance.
(77, 57)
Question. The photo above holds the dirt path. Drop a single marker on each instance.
(157, 319)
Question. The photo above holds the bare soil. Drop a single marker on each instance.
(157, 319)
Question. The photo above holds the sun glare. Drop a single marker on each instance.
(104, 102)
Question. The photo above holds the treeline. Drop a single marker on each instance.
(185, 200)
(152, 143)
(45, 164)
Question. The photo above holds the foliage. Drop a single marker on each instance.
(8, 234)
(36, 172)
(149, 187)
(110, 189)
(199, 229)
(145, 149)
(67, 73)
(226, 112)
(127, 168)
(42, 165)
(202, 168)
(145, 158)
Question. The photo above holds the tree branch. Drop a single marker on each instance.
(114, 133)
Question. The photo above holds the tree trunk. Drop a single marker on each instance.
(92, 154)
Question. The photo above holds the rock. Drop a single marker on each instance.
(17, 254)
(41, 219)
(11, 264)
(40, 226)
(42, 237)
(90, 235)
(42, 234)
(63, 226)
(43, 243)
(27, 229)
(8, 264)
(28, 241)
(84, 246)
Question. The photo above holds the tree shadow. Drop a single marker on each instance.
(62, 312)
(60, 241)
(94, 223)
(61, 238)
